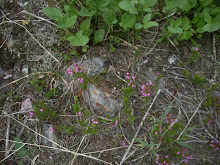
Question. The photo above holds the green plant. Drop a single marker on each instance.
(199, 17)
(22, 152)
(68, 129)
(195, 79)
(43, 112)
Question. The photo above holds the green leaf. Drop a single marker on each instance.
(79, 39)
(133, 9)
(214, 25)
(172, 3)
(99, 35)
(146, 18)
(175, 30)
(184, 145)
(150, 24)
(125, 5)
(192, 3)
(150, 2)
(215, 11)
(178, 22)
(206, 2)
(138, 26)
(186, 23)
(143, 144)
(207, 17)
(53, 13)
(66, 22)
(85, 24)
(84, 12)
(127, 20)
(186, 35)
(88, 32)
(184, 5)
(109, 17)
(98, 4)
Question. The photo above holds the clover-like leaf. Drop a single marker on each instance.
(99, 35)
(109, 17)
(79, 39)
(127, 20)
(150, 24)
(53, 13)
(66, 22)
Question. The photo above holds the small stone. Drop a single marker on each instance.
(48, 132)
(25, 70)
(171, 59)
(26, 106)
(100, 101)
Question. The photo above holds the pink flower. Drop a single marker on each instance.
(79, 112)
(41, 110)
(178, 153)
(69, 72)
(158, 73)
(156, 133)
(31, 114)
(51, 129)
(116, 122)
(167, 156)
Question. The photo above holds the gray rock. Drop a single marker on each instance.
(26, 106)
(48, 132)
(152, 77)
(100, 101)
(25, 70)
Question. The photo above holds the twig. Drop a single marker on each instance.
(7, 137)
(43, 19)
(139, 127)
(214, 54)
(191, 118)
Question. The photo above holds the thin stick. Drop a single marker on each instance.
(214, 54)
(7, 136)
(139, 127)
(191, 118)
(43, 19)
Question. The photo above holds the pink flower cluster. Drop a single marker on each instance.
(94, 121)
(215, 145)
(51, 129)
(159, 130)
(125, 142)
(185, 156)
(77, 69)
(163, 160)
(130, 79)
(31, 114)
(195, 49)
(146, 89)
(116, 122)
(210, 120)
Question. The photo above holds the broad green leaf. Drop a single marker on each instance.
(85, 24)
(175, 30)
(133, 9)
(88, 32)
(53, 13)
(186, 35)
(113, 5)
(214, 25)
(99, 35)
(138, 26)
(79, 39)
(206, 2)
(127, 20)
(172, 3)
(147, 9)
(150, 24)
(172, 23)
(184, 145)
(192, 3)
(109, 17)
(84, 12)
(98, 4)
(186, 23)
(215, 11)
(184, 5)
(146, 18)
(207, 17)
(150, 2)
(178, 22)
(125, 5)
(66, 22)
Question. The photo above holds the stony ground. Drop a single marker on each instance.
(34, 46)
